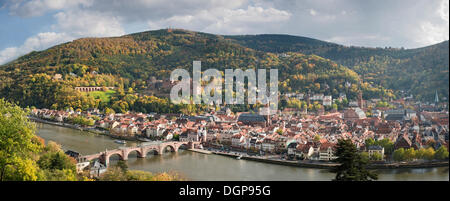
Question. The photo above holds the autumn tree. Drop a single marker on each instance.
(18, 144)
(399, 154)
(441, 153)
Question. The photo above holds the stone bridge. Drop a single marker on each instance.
(142, 150)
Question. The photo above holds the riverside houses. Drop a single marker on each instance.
(300, 135)
(376, 149)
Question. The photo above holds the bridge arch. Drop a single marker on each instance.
(152, 151)
(142, 151)
(114, 154)
(183, 146)
(171, 147)
(108, 156)
(138, 153)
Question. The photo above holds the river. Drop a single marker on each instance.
(197, 166)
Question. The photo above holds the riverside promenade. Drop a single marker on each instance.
(80, 128)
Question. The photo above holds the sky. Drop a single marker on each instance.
(28, 25)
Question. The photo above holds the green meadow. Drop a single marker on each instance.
(104, 96)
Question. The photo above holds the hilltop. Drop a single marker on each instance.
(304, 65)
(418, 71)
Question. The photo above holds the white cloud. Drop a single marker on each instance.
(358, 39)
(436, 31)
(224, 21)
(39, 42)
(364, 23)
(71, 24)
(322, 16)
(430, 33)
(39, 7)
(443, 10)
(86, 23)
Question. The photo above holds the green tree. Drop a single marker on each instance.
(387, 144)
(441, 153)
(365, 156)
(59, 175)
(56, 160)
(334, 106)
(113, 174)
(352, 165)
(399, 154)
(176, 137)
(429, 154)
(18, 144)
(280, 131)
(109, 111)
(410, 154)
(420, 154)
(123, 166)
(369, 142)
(376, 156)
(55, 165)
(316, 138)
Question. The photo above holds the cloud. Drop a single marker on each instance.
(85, 23)
(224, 21)
(39, 7)
(39, 42)
(434, 31)
(103, 18)
(321, 16)
(70, 24)
(375, 23)
(358, 40)
(443, 10)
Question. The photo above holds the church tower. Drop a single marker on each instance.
(360, 100)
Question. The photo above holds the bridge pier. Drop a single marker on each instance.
(142, 156)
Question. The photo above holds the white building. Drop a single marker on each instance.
(376, 149)
(327, 101)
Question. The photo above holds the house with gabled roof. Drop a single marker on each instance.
(403, 141)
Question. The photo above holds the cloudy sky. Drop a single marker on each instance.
(27, 25)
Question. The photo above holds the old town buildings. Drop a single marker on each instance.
(297, 135)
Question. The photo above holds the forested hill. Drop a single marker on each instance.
(129, 61)
(419, 71)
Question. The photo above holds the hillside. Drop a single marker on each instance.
(418, 71)
(129, 61)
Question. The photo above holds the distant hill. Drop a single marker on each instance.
(305, 65)
(418, 71)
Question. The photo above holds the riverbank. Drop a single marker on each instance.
(66, 125)
(212, 167)
(303, 164)
(201, 151)
(329, 165)
(77, 127)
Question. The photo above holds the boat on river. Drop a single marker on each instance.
(120, 141)
(144, 139)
